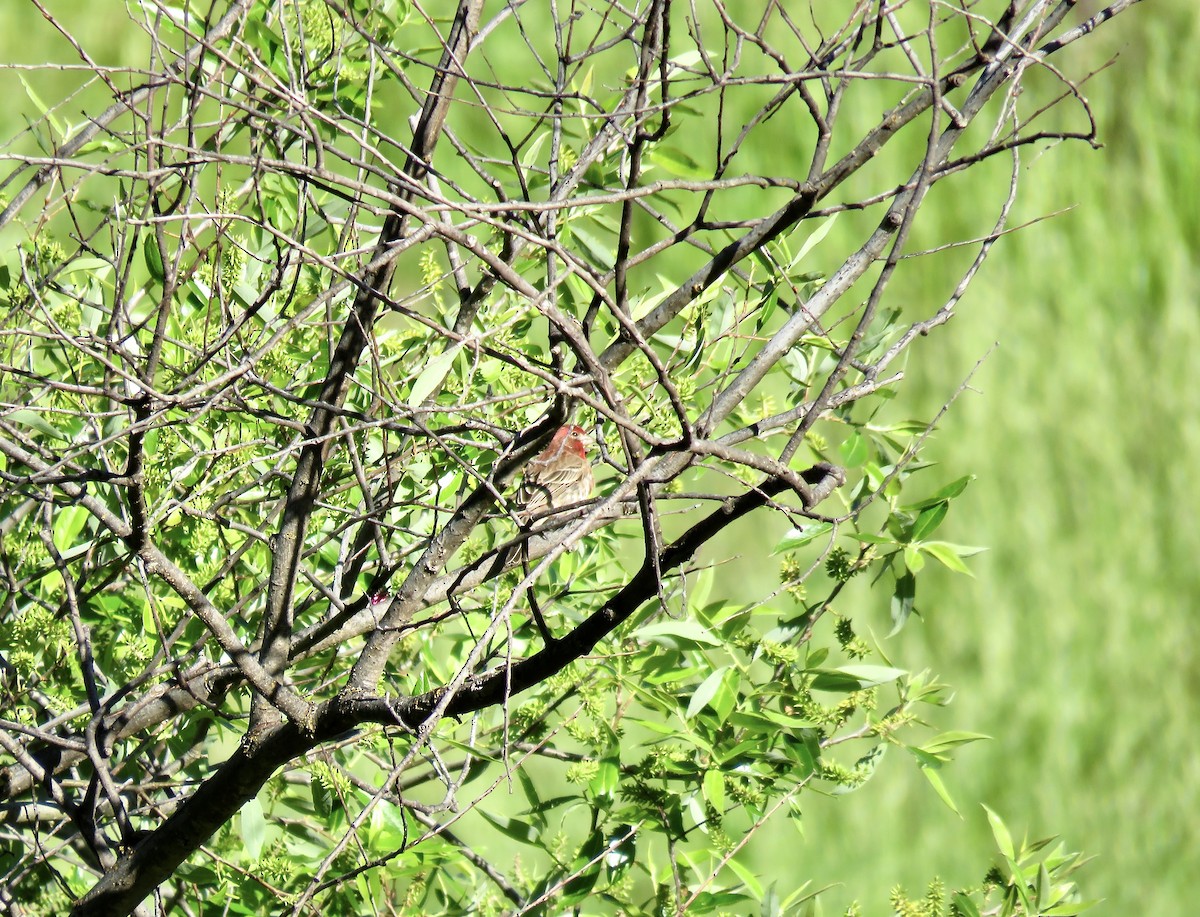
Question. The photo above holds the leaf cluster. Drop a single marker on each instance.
(275, 636)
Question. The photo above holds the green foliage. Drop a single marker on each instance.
(1032, 881)
(169, 375)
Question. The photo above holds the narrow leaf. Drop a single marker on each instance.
(949, 492)
(432, 375)
(254, 828)
(929, 520)
(798, 537)
(935, 781)
(51, 118)
(855, 677)
(965, 905)
(814, 239)
(34, 421)
(855, 450)
(1070, 908)
(902, 601)
(674, 633)
(1000, 833)
(714, 788)
(515, 828)
(953, 739)
(705, 693)
(153, 258)
(947, 554)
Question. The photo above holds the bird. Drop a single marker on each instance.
(560, 475)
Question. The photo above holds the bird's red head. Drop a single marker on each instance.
(573, 437)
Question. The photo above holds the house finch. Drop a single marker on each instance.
(559, 476)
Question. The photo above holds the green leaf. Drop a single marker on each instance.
(962, 550)
(584, 88)
(389, 829)
(855, 450)
(814, 239)
(68, 523)
(148, 626)
(714, 788)
(684, 61)
(702, 588)
(705, 693)
(871, 539)
(34, 421)
(1070, 908)
(788, 722)
(537, 809)
(677, 162)
(529, 156)
(581, 886)
(51, 118)
(913, 559)
(866, 765)
(622, 848)
(153, 258)
(664, 671)
(725, 699)
(608, 777)
(882, 330)
(854, 677)
(749, 879)
(93, 267)
(322, 797)
(805, 895)
(803, 754)
(864, 769)
(929, 519)
(677, 634)
(949, 492)
(924, 758)
(798, 537)
(596, 249)
(902, 601)
(965, 905)
(935, 781)
(254, 828)
(947, 740)
(432, 375)
(515, 828)
(1003, 838)
(948, 554)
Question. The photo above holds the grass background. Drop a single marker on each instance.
(1074, 646)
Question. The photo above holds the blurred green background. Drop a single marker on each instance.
(1074, 646)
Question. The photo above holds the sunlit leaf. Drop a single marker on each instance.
(705, 693)
(432, 375)
(254, 828)
(855, 677)
(935, 781)
(949, 492)
(929, 519)
(1000, 833)
(714, 789)
(799, 537)
(677, 634)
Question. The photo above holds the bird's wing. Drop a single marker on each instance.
(552, 475)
